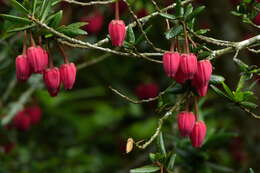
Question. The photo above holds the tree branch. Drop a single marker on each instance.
(90, 3)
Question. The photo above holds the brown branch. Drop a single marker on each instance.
(90, 3)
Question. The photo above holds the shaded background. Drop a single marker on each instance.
(86, 129)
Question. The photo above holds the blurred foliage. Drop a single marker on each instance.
(86, 129)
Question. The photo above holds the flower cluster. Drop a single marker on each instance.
(188, 127)
(184, 67)
(36, 60)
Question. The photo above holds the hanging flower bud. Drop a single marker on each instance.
(95, 22)
(23, 71)
(52, 80)
(203, 74)
(21, 121)
(202, 91)
(35, 114)
(198, 134)
(117, 32)
(171, 61)
(68, 75)
(37, 58)
(187, 68)
(186, 121)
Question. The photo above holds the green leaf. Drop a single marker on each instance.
(19, 6)
(228, 91)
(130, 35)
(235, 13)
(219, 92)
(216, 79)
(55, 19)
(243, 67)
(179, 9)
(241, 83)
(168, 16)
(73, 29)
(17, 29)
(145, 169)
(251, 170)
(195, 12)
(173, 32)
(188, 10)
(249, 105)
(77, 24)
(34, 7)
(160, 144)
(45, 9)
(202, 31)
(171, 162)
(16, 19)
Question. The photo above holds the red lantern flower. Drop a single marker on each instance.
(68, 75)
(23, 71)
(187, 68)
(52, 80)
(37, 58)
(117, 32)
(186, 121)
(198, 134)
(171, 61)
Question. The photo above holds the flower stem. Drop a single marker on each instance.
(24, 42)
(117, 10)
(186, 38)
(63, 54)
(196, 107)
(32, 40)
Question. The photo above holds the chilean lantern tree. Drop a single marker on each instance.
(133, 86)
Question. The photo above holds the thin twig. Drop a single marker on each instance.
(141, 28)
(144, 19)
(140, 101)
(160, 124)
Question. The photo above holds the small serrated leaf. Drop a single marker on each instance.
(195, 12)
(168, 16)
(130, 35)
(160, 143)
(216, 79)
(219, 92)
(173, 32)
(145, 169)
(171, 162)
(17, 29)
(19, 6)
(249, 105)
(228, 91)
(16, 19)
